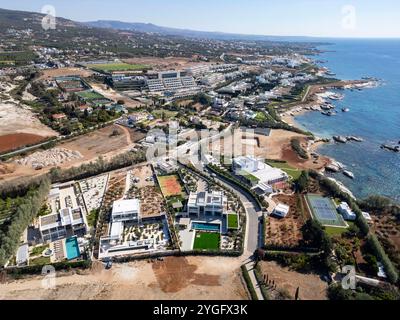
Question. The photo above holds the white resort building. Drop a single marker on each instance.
(257, 173)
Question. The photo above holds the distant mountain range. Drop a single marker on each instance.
(22, 19)
(149, 27)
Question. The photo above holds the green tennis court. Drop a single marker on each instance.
(324, 210)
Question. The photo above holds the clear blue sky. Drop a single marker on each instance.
(374, 18)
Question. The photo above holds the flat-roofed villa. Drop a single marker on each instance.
(125, 215)
(212, 204)
(126, 210)
(66, 223)
(346, 212)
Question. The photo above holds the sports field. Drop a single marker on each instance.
(206, 240)
(324, 210)
(119, 66)
(89, 95)
(170, 185)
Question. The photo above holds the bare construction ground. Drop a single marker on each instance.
(174, 278)
(63, 72)
(17, 119)
(114, 95)
(89, 146)
(276, 146)
(311, 286)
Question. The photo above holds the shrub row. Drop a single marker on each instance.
(37, 269)
(99, 166)
(380, 253)
(260, 280)
(249, 284)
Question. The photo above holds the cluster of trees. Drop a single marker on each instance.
(20, 187)
(271, 123)
(382, 205)
(47, 97)
(302, 182)
(99, 166)
(295, 143)
(203, 99)
(25, 212)
(315, 236)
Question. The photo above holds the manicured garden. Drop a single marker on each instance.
(233, 222)
(291, 171)
(206, 241)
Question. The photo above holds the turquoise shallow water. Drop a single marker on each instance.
(374, 115)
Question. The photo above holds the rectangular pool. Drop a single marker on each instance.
(206, 226)
(72, 247)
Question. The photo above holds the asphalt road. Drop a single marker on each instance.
(253, 214)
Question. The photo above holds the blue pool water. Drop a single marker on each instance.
(71, 244)
(374, 115)
(205, 226)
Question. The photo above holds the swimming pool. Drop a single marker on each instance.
(71, 244)
(205, 226)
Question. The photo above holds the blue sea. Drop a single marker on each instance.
(374, 115)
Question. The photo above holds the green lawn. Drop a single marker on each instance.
(38, 250)
(260, 116)
(92, 217)
(284, 166)
(332, 231)
(168, 114)
(233, 221)
(250, 177)
(206, 240)
(118, 66)
(39, 261)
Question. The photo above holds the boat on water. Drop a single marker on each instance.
(345, 109)
(348, 173)
(340, 139)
